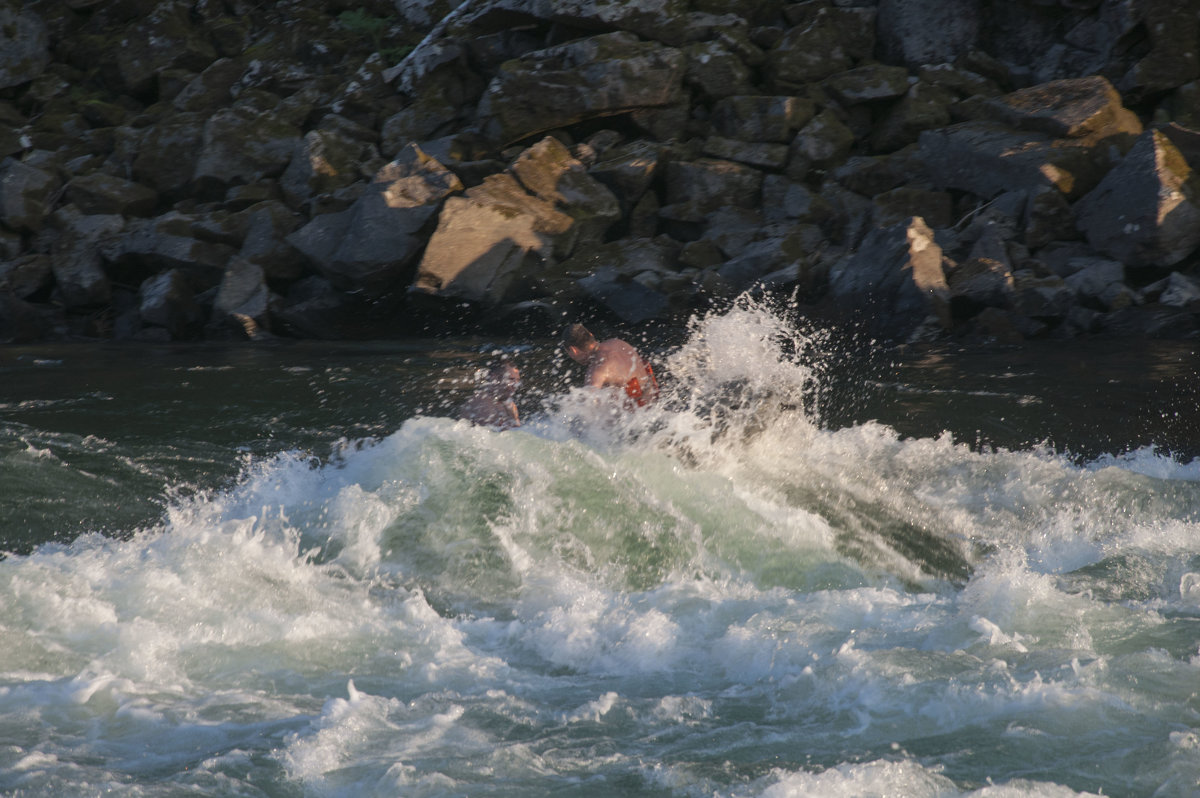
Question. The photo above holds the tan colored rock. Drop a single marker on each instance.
(548, 170)
(487, 239)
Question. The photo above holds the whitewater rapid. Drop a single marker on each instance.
(717, 597)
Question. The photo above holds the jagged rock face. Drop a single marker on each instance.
(638, 160)
(1144, 211)
(600, 76)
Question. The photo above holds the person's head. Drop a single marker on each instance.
(503, 379)
(579, 343)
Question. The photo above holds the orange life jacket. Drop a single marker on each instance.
(642, 396)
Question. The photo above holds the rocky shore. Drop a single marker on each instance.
(925, 169)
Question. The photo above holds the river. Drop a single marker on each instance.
(812, 569)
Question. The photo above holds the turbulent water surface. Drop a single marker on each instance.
(290, 571)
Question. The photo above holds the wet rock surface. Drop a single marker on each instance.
(923, 169)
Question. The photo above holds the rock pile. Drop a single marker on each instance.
(196, 168)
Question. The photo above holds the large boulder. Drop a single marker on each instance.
(897, 275)
(628, 169)
(146, 247)
(549, 171)
(244, 144)
(488, 239)
(100, 193)
(79, 272)
(243, 298)
(986, 159)
(323, 161)
(1144, 212)
(706, 184)
(372, 245)
(166, 154)
(268, 224)
(1073, 108)
(773, 119)
(166, 301)
(24, 44)
(26, 195)
(1062, 134)
(811, 51)
(916, 32)
(164, 39)
(599, 76)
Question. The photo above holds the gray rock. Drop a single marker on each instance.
(1069, 108)
(145, 248)
(917, 32)
(757, 154)
(987, 160)
(559, 86)
(1143, 212)
(100, 193)
(1180, 291)
(1094, 279)
(26, 195)
(319, 239)
(164, 39)
(762, 118)
(323, 162)
(630, 300)
(980, 283)
(243, 294)
(166, 155)
(628, 170)
(26, 275)
(868, 83)
(822, 143)
(243, 145)
(922, 107)
(707, 184)
(549, 171)
(897, 273)
(1044, 298)
(784, 199)
(827, 43)
(265, 242)
(22, 322)
(894, 206)
(715, 72)
(313, 308)
(24, 44)
(487, 239)
(166, 300)
(386, 229)
(211, 89)
(79, 273)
